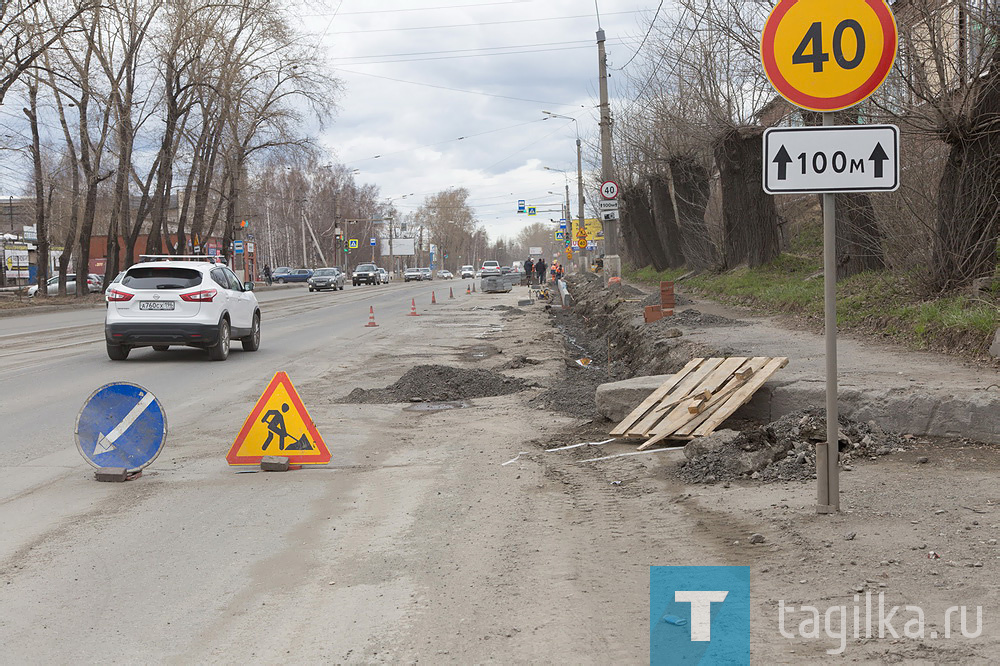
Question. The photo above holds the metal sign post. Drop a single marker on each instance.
(796, 46)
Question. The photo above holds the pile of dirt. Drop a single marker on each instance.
(696, 319)
(433, 383)
(518, 362)
(784, 450)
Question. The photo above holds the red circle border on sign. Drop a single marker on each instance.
(859, 94)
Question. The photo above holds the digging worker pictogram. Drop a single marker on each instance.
(275, 422)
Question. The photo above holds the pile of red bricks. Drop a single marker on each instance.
(666, 306)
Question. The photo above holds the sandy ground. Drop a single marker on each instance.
(419, 544)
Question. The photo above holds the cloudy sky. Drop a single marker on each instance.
(420, 75)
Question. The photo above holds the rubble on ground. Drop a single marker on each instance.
(434, 383)
(697, 319)
(784, 450)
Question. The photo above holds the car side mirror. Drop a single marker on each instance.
(248, 286)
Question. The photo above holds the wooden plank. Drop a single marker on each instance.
(680, 415)
(689, 384)
(740, 378)
(636, 414)
(741, 396)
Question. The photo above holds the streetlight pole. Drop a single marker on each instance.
(579, 179)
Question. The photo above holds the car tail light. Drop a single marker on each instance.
(203, 296)
(115, 295)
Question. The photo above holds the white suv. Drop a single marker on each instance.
(491, 268)
(174, 300)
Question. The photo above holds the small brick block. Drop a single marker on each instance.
(111, 474)
(274, 464)
(667, 313)
(652, 313)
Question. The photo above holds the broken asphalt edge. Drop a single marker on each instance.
(917, 411)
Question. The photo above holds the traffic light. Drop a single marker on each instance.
(243, 224)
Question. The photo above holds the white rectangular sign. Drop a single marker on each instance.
(848, 158)
(401, 247)
(608, 205)
(535, 251)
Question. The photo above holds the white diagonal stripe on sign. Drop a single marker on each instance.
(106, 440)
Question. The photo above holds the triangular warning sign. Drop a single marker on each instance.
(279, 425)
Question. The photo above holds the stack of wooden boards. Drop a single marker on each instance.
(696, 400)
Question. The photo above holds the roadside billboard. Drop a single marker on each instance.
(401, 247)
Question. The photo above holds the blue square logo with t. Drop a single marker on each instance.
(699, 615)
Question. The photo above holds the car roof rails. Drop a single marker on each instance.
(180, 257)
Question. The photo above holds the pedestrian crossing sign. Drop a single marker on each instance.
(279, 425)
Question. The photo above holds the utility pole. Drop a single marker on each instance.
(579, 184)
(612, 262)
(304, 259)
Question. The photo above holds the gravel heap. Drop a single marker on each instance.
(785, 450)
(519, 362)
(432, 383)
(696, 318)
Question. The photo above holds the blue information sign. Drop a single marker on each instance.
(121, 425)
(237, 247)
(520, 205)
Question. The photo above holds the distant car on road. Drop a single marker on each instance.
(297, 275)
(427, 273)
(412, 274)
(365, 274)
(326, 278)
(280, 274)
(445, 275)
(94, 282)
(169, 300)
(467, 272)
(490, 268)
(383, 276)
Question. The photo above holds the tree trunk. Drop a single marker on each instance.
(638, 216)
(749, 218)
(666, 221)
(42, 252)
(690, 188)
(968, 223)
(859, 240)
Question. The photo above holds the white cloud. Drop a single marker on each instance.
(399, 121)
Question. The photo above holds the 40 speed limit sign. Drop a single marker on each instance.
(826, 56)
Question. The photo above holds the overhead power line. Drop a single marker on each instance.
(644, 38)
(479, 24)
(471, 92)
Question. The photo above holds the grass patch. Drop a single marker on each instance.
(883, 305)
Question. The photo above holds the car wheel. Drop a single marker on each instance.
(310, 290)
(161, 347)
(220, 350)
(251, 343)
(280, 280)
(342, 287)
(117, 352)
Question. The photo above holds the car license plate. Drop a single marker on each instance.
(156, 305)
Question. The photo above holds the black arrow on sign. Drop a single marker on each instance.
(879, 157)
(782, 159)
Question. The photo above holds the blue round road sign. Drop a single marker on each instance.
(121, 425)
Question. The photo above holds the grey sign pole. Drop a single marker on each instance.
(827, 469)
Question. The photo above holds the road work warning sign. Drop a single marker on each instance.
(279, 425)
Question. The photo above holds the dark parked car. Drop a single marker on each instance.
(296, 275)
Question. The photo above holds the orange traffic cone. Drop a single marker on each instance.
(413, 308)
(451, 293)
(468, 289)
(371, 317)
(433, 300)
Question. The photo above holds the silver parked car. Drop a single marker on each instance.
(94, 285)
(326, 278)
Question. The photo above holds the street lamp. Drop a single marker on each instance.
(579, 168)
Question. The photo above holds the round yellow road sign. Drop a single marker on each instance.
(827, 56)
(581, 243)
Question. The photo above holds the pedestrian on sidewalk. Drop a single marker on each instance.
(529, 266)
(540, 270)
(267, 275)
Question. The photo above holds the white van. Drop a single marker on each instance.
(467, 272)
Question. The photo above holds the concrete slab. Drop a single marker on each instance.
(905, 391)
